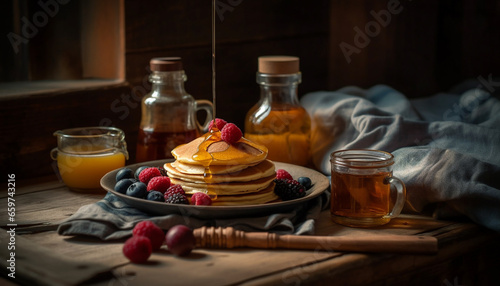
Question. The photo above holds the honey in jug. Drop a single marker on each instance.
(278, 121)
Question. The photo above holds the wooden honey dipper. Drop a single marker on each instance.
(212, 237)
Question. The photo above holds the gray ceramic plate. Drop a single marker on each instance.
(320, 184)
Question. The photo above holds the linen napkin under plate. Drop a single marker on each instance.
(111, 218)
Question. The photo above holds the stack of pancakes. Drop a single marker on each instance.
(238, 174)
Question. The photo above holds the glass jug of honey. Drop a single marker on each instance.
(278, 121)
(168, 112)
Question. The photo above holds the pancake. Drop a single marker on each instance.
(264, 196)
(231, 188)
(238, 172)
(243, 152)
(263, 169)
(200, 170)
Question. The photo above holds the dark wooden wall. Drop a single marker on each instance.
(425, 48)
(245, 31)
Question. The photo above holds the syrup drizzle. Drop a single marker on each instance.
(205, 158)
(213, 58)
(213, 135)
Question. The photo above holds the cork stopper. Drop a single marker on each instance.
(166, 64)
(278, 64)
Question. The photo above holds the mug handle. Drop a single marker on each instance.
(401, 196)
(53, 153)
(206, 105)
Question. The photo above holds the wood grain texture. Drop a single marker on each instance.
(82, 258)
(211, 237)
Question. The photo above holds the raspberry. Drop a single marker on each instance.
(201, 199)
(218, 122)
(149, 173)
(177, 198)
(288, 189)
(150, 230)
(283, 174)
(174, 189)
(137, 249)
(231, 133)
(160, 184)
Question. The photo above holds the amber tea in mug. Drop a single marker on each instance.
(361, 188)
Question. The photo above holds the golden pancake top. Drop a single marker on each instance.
(219, 152)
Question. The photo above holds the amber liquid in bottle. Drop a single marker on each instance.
(152, 144)
(168, 112)
(278, 121)
(285, 132)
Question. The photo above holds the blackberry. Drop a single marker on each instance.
(177, 198)
(174, 189)
(163, 172)
(288, 189)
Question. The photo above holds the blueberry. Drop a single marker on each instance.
(305, 181)
(124, 173)
(137, 190)
(122, 185)
(139, 170)
(155, 196)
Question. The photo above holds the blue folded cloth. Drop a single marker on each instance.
(111, 218)
(446, 147)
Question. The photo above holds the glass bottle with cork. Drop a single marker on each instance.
(278, 121)
(168, 112)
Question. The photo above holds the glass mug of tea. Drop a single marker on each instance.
(361, 188)
(84, 155)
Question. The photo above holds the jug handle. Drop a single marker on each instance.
(206, 105)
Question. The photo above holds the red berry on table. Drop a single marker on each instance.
(283, 174)
(137, 249)
(160, 184)
(231, 133)
(218, 122)
(180, 240)
(147, 174)
(201, 199)
(150, 230)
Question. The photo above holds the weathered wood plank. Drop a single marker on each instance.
(48, 206)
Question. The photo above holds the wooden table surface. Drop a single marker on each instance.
(467, 255)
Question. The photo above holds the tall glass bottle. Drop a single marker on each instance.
(168, 112)
(278, 121)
